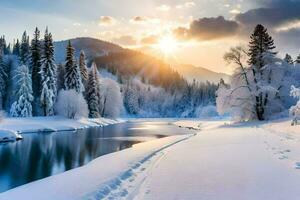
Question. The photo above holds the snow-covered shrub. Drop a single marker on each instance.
(71, 104)
(111, 98)
(295, 110)
(206, 111)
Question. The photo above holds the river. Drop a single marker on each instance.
(40, 155)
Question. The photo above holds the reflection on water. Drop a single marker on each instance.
(40, 155)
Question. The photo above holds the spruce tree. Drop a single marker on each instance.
(3, 77)
(288, 59)
(93, 96)
(7, 50)
(35, 64)
(72, 71)
(261, 44)
(83, 68)
(2, 44)
(24, 49)
(16, 48)
(60, 77)
(297, 61)
(22, 106)
(48, 76)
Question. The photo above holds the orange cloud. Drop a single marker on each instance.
(107, 20)
(149, 40)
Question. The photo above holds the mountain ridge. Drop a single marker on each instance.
(95, 48)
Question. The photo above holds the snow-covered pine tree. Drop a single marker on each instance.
(297, 61)
(35, 64)
(22, 106)
(16, 48)
(288, 59)
(3, 76)
(261, 44)
(5, 48)
(295, 110)
(24, 49)
(93, 96)
(48, 76)
(60, 77)
(83, 69)
(2, 43)
(72, 71)
(131, 99)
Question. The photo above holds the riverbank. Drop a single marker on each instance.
(103, 176)
(222, 161)
(12, 127)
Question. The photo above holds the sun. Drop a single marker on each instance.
(168, 45)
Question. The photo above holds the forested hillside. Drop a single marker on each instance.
(52, 78)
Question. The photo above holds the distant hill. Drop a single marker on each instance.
(190, 72)
(92, 48)
(130, 63)
(133, 63)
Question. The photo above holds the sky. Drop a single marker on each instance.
(196, 32)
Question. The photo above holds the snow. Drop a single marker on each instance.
(223, 161)
(11, 127)
(107, 173)
(9, 136)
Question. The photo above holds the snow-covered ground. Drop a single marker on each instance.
(12, 127)
(223, 161)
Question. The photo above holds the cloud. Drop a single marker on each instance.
(149, 40)
(273, 13)
(208, 29)
(107, 21)
(139, 20)
(235, 11)
(188, 4)
(125, 40)
(163, 8)
(144, 20)
(76, 24)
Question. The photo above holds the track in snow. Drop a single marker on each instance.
(127, 184)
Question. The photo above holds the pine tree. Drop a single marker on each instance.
(22, 107)
(93, 96)
(7, 50)
(261, 44)
(16, 48)
(35, 63)
(24, 49)
(288, 59)
(297, 61)
(2, 44)
(3, 76)
(48, 76)
(72, 71)
(60, 77)
(83, 68)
